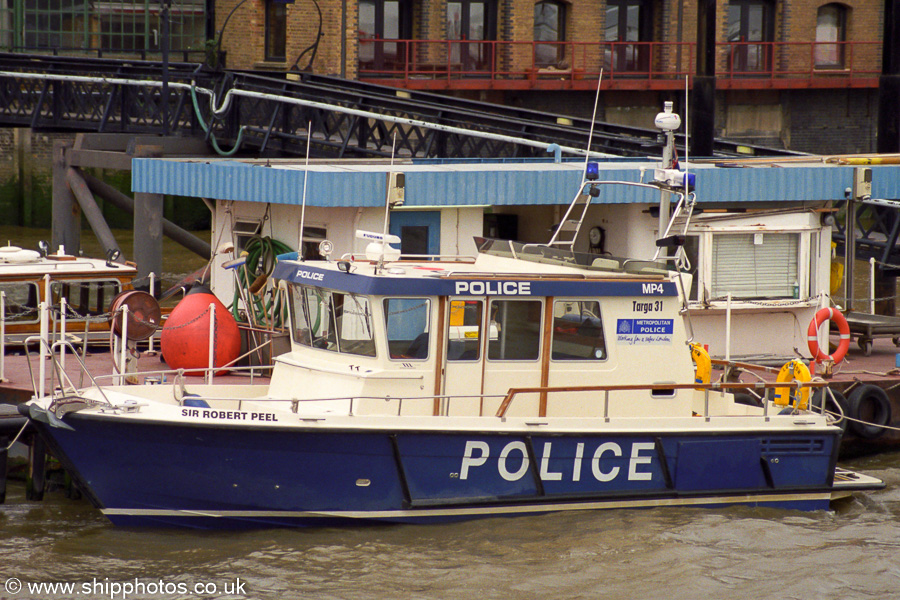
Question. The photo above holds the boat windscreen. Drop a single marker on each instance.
(331, 320)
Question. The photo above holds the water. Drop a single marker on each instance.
(735, 553)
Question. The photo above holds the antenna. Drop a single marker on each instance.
(687, 134)
(587, 155)
(305, 177)
(387, 203)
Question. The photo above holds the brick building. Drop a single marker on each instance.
(802, 74)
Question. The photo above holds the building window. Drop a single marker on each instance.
(750, 21)
(381, 20)
(755, 266)
(471, 22)
(831, 27)
(312, 237)
(628, 23)
(549, 26)
(119, 26)
(276, 30)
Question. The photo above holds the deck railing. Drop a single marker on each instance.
(488, 64)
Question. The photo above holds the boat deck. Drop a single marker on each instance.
(17, 386)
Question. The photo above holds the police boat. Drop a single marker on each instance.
(525, 380)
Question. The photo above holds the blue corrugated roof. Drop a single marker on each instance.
(459, 184)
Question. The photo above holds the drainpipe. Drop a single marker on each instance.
(164, 17)
(343, 39)
(557, 152)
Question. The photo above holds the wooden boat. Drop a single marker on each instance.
(75, 289)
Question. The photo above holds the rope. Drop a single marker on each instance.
(15, 439)
(843, 416)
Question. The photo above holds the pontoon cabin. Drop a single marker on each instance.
(764, 234)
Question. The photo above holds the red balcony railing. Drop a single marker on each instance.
(477, 64)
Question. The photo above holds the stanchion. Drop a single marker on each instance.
(123, 341)
(212, 343)
(45, 348)
(63, 307)
(150, 349)
(2, 337)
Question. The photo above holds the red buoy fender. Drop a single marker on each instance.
(812, 335)
(185, 337)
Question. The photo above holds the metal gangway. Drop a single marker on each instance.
(273, 114)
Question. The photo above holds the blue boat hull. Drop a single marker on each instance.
(143, 473)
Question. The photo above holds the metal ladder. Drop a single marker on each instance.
(567, 231)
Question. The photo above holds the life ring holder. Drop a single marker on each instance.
(793, 370)
(812, 335)
(703, 364)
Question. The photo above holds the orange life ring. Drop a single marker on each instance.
(812, 335)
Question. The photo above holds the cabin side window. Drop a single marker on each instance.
(330, 320)
(21, 302)
(407, 327)
(577, 331)
(464, 330)
(518, 326)
(85, 299)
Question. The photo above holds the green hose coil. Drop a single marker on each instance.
(262, 253)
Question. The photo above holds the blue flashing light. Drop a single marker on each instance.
(592, 173)
(691, 179)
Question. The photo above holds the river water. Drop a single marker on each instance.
(737, 553)
(851, 552)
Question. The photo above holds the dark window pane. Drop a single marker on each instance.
(414, 239)
(276, 30)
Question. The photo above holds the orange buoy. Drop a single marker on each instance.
(185, 337)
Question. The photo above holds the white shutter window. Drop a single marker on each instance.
(754, 265)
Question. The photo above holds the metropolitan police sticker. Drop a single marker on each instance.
(644, 331)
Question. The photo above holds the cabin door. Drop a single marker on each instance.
(419, 231)
(493, 344)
